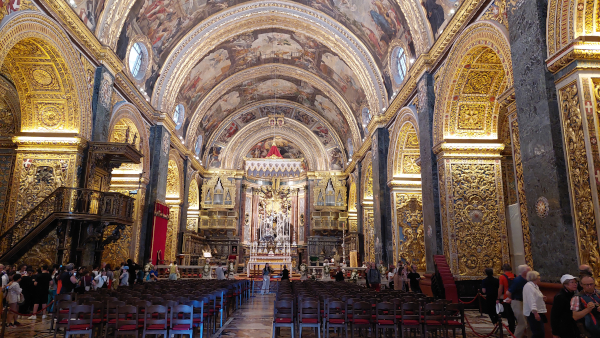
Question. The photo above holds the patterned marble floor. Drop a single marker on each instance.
(253, 320)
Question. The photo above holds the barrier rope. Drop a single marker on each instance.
(466, 303)
(479, 334)
(31, 314)
(507, 330)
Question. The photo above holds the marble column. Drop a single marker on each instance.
(381, 198)
(187, 178)
(101, 108)
(156, 190)
(543, 155)
(429, 171)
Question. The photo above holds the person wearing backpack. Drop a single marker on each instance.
(506, 279)
(585, 307)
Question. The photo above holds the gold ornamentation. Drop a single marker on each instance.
(516, 142)
(329, 193)
(474, 211)
(409, 212)
(579, 176)
(480, 81)
(117, 252)
(194, 196)
(172, 231)
(173, 180)
(409, 164)
(542, 207)
(42, 253)
(369, 181)
(51, 115)
(471, 116)
(42, 77)
(219, 192)
(352, 199)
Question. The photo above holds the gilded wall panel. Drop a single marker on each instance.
(579, 177)
(369, 235)
(37, 176)
(117, 252)
(6, 173)
(522, 199)
(476, 224)
(409, 215)
(42, 253)
(172, 231)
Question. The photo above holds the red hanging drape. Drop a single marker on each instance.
(159, 232)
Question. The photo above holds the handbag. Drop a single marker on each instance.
(21, 299)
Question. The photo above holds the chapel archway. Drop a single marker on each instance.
(174, 195)
(368, 212)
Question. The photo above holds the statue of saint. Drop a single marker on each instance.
(336, 257)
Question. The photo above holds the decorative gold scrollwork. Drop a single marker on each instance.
(409, 211)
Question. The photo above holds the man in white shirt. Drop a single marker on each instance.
(220, 272)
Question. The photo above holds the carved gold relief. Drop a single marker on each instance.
(480, 81)
(369, 181)
(475, 225)
(42, 253)
(117, 252)
(352, 202)
(471, 116)
(369, 235)
(516, 142)
(409, 213)
(409, 164)
(329, 193)
(194, 196)
(579, 176)
(172, 231)
(173, 180)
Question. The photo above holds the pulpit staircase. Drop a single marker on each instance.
(79, 215)
(95, 207)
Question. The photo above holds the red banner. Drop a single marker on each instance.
(159, 232)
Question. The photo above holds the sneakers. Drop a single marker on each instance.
(44, 316)
(34, 317)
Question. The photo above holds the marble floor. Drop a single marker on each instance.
(252, 320)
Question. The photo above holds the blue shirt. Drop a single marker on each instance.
(516, 288)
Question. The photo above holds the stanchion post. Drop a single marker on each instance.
(4, 314)
(501, 328)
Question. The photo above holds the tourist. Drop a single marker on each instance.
(133, 268)
(584, 270)
(173, 271)
(42, 285)
(124, 276)
(266, 273)
(23, 271)
(3, 282)
(28, 290)
(285, 274)
(534, 305)
(397, 278)
(110, 276)
(117, 277)
(220, 271)
(368, 267)
(561, 317)
(68, 280)
(14, 293)
(489, 287)
(374, 278)
(100, 281)
(506, 279)
(390, 277)
(414, 277)
(339, 276)
(515, 293)
(585, 306)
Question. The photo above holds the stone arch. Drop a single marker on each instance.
(479, 67)
(406, 128)
(126, 114)
(26, 28)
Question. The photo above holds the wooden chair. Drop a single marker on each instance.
(55, 311)
(283, 316)
(309, 316)
(98, 315)
(361, 316)
(182, 320)
(111, 315)
(336, 317)
(80, 321)
(155, 321)
(127, 322)
(198, 318)
(411, 318)
(433, 318)
(455, 319)
(63, 314)
(385, 318)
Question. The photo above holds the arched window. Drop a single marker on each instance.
(178, 116)
(401, 66)
(136, 59)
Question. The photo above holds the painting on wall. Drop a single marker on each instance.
(214, 157)
(255, 48)
(287, 149)
(336, 159)
(88, 11)
(439, 12)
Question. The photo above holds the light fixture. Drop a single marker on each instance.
(452, 11)
(350, 160)
(412, 60)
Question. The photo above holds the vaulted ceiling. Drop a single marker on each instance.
(325, 61)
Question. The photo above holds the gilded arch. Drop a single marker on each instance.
(367, 178)
(30, 25)
(282, 70)
(406, 129)
(485, 45)
(268, 14)
(10, 109)
(125, 110)
(175, 177)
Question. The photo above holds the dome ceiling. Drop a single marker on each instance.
(202, 54)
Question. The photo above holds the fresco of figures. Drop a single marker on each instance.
(287, 149)
(88, 11)
(376, 22)
(283, 88)
(254, 48)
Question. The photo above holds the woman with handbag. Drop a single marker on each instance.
(14, 298)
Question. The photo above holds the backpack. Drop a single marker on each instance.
(510, 280)
(592, 319)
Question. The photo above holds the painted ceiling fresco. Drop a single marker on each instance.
(281, 46)
(375, 22)
(88, 11)
(284, 88)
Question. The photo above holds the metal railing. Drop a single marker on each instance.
(75, 203)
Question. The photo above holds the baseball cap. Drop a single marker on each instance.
(125, 268)
(566, 277)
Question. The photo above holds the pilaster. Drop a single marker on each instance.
(101, 104)
(381, 198)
